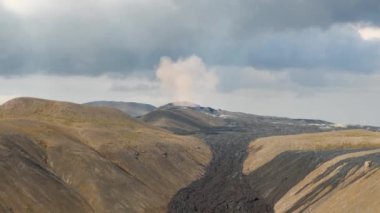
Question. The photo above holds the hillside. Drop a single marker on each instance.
(323, 172)
(130, 108)
(184, 119)
(74, 158)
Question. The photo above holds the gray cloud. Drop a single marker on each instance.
(94, 37)
(337, 48)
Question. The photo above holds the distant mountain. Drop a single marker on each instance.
(131, 108)
(190, 118)
(186, 118)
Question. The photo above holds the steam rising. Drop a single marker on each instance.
(186, 79)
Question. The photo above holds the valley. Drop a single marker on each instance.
(180, 158)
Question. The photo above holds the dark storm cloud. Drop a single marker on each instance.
(91, 38)
(305, 13)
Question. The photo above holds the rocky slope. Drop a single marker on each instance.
(261, 180)
(323, 172)
(64, 157)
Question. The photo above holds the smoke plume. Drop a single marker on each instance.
(187, 79)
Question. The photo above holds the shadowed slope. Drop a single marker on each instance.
(320, 172)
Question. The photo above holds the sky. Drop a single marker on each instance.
(294, 58)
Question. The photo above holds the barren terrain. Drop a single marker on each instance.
(72, 158)
(65, 157)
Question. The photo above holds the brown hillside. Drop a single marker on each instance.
(75, 158)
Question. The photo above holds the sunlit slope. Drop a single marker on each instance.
(322, 172)
(99, 158)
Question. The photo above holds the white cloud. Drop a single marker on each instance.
(186, 79)
(70, 7)
(368, 32)
(27, 7)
